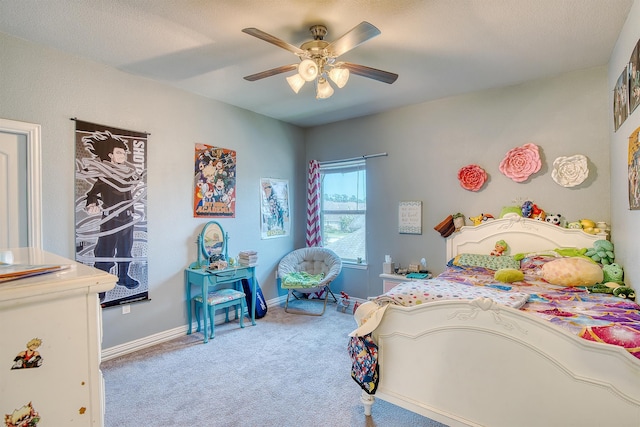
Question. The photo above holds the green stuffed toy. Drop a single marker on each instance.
(613, 273)
(613, 289)
(612, 283)
(574, 252)
(602, 252)
(508, 275)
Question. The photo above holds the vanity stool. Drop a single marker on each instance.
(222, 298)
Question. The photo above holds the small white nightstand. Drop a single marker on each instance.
(390, 281)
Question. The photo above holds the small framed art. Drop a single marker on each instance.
(410, 217)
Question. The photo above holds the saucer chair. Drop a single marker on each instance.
(322, 264)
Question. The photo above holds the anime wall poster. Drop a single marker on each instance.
(111, 207)
(214, 183)
(274, 208)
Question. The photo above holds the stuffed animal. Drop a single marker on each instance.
(602, 252)
(511, 212)
(527, 209)
(477, 220)
(613, 273)
(589, 226)
(613, 289)
(555, 219)
(500, 248)
(538, 214)
(575, 225)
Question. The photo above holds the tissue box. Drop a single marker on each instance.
(388, 268)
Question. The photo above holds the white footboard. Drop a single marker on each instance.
(480, 364)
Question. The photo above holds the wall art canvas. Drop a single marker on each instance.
(111, 207)
(634, 78)
(274, 207)
(621, 100)
(214, 189)
(634, 170)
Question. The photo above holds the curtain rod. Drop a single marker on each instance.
(368, 156)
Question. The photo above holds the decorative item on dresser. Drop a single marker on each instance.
(51, 329)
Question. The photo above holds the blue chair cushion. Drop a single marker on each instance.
(221, 296)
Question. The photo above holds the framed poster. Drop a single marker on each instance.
(214, 187)
(274, 207)
(633, 171)
(621, 100)
(410, 217)
(634, 78)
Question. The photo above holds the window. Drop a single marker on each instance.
(343, 209)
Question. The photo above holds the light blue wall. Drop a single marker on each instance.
(625, 223)
(47, 87)
(428, 143)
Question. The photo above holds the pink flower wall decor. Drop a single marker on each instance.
(521, 162)
(472, 177)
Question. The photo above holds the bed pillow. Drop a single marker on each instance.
(490, 262)
(572, 271)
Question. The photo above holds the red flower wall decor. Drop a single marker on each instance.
(472, 177)
(521, 162)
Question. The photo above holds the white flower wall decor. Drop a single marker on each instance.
(570, 171)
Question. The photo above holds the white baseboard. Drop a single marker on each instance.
(160, 337)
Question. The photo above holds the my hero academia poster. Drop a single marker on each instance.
(214, 182)
(111, 207)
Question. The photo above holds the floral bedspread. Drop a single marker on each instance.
(596, 317)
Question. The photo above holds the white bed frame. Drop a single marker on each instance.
(480, 364)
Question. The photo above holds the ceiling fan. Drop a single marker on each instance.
(319, 59)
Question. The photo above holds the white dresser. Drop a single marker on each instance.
(57, 380)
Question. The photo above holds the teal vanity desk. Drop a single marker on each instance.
(212, 247)
(203, 279)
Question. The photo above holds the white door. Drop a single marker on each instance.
(20, 184)
(13, 190)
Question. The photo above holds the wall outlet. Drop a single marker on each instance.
(126, 309)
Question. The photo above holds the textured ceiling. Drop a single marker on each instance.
(439, 48)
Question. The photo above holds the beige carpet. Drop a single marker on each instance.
(288, 370)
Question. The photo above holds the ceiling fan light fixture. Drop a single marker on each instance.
(339, 76)
(308, 70)
(324, 89)
(295, 82)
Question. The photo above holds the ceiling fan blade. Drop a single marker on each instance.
(372, 73)
(354, 37)
(273, 40)
(271, 72)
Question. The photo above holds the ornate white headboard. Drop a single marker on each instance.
(521, 234)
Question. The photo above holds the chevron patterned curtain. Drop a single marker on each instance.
(314, 238)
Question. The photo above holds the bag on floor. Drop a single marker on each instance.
(261, 305)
